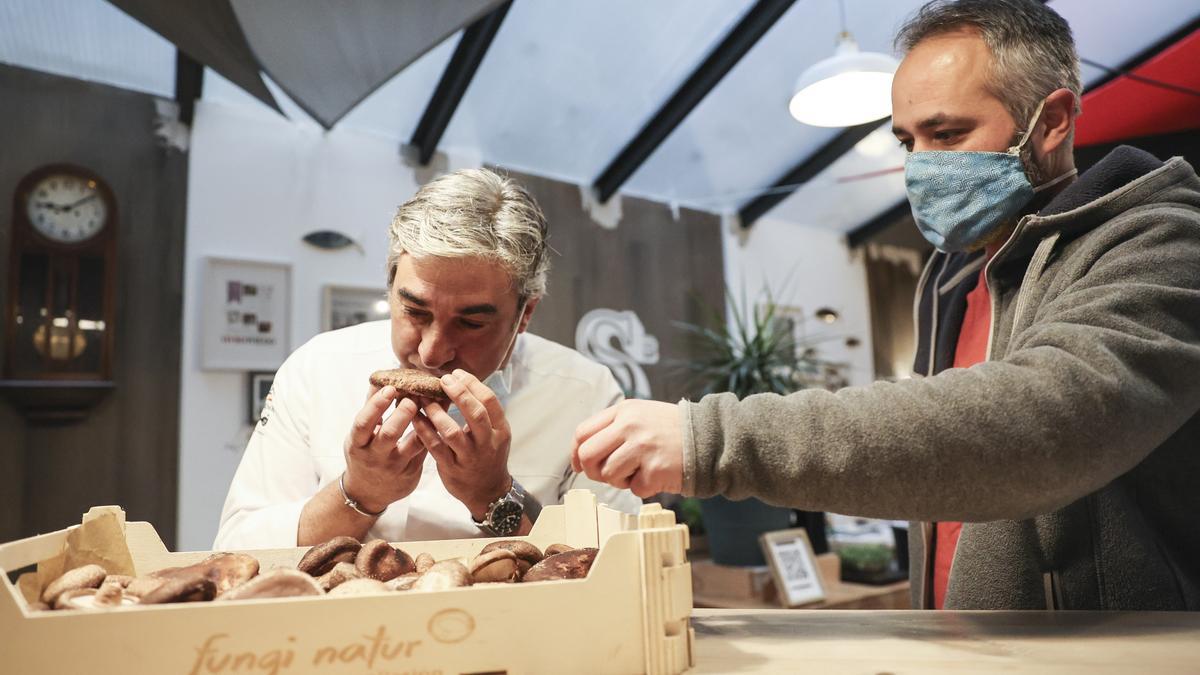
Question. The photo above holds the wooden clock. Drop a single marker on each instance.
(62, 280)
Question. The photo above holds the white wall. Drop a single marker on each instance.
(807, 268)
(257, 183)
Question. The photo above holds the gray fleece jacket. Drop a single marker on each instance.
(1072, 454)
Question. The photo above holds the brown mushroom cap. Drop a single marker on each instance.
(402, 582)
(527, 554)
(122, 580)
(443, 575)
(191, 586)
(381, 561)
(573, 564)
(555, 549)
(226, 570)
(411, 382)
(340, 574)
(498, 564)
(140, 586)
(361, 587)
(278, 583)
(321, 558)
(87, 576)
(105, 597)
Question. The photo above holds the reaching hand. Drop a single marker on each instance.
(472, 460)
(635, 445)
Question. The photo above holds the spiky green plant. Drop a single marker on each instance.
(757, 354)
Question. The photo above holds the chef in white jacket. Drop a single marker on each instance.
(467, 265)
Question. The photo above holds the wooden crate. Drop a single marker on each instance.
(630, 615)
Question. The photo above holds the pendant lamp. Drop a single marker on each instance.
(851, 87)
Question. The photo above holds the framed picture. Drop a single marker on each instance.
(244, 314)
(260, 389)
(343, 306)
(793, 567)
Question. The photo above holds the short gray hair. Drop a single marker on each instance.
(475, 213)
(1032, 48)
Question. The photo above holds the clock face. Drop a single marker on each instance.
(67, 208)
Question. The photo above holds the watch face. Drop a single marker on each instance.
(506, 517)
(67, 208)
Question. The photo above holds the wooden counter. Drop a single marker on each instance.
(896, 642)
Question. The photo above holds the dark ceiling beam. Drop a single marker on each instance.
(472, 47)
(804, 171)
(189, 85)
(863, 233)
(723, 57)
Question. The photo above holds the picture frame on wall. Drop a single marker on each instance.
(259, 391)
(245, 314)
(343, 306)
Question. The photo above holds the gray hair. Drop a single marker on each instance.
(475, 213)
(1032, 48)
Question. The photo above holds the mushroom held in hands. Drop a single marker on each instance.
(527, 554)
(442, 576)
(278, 583)
(573, 564)
(496, 565)
(410, 382)
(87, 576)
(323, 557)
(381, 561)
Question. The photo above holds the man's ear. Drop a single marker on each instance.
(1058, 120)
(527, 313)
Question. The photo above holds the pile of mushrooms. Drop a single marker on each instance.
(341, 566)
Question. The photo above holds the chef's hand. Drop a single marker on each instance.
(472, 461)
(635, 445)
(382, 467)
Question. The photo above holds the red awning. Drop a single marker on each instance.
(1126, 108)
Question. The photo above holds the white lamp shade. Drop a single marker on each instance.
(851, 87)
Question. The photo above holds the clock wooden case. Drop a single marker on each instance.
(62, 279)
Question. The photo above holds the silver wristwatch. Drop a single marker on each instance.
(503, 516)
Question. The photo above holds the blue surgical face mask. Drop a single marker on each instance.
(958, 198)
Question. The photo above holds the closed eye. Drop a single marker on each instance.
(470, 325)
(416, 314)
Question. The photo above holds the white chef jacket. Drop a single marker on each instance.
(297, 447)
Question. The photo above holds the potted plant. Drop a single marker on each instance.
(756, 352)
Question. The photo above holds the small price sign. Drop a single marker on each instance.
(793, 566)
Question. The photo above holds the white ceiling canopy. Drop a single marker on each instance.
(329, 56)
(566, 84)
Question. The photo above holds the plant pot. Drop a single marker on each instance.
(733, 528)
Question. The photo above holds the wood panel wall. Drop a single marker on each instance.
(650, 263)
(126, 451)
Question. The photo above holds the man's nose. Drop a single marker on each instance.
(435, 349)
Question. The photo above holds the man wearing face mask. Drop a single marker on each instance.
(1048, 445)
(467, 266)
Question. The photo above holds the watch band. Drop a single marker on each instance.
(516, 494)
(352, 503)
